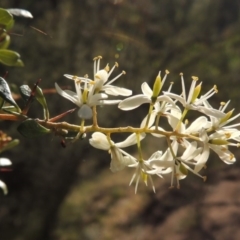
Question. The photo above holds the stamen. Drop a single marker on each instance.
(118, 76)
(107, 68)
(183, 87)
(115, 65)
(194, 78)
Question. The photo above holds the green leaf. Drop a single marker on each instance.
(30, 128)
(5, 93)
(10, 58)
(4, 43)
(25, 92)
(6, 19)
(41, 99)
(20, 12)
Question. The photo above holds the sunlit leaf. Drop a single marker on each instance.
(25, 92)
(5, 93)
(10, 58)
(4, 43)
(30, 128)
(20, 12)
(6, 19)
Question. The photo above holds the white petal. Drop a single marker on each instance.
(151, 120)
(68, 95)
(101, 74)
(118, 161)
(133, 102)
(175, 96)
(4, 187)
(109, 102)
(147, 91)
(116, 91)
(94, 99)
(202, 158)
(130, 140)
(85, 112)
(197, 125)
(210, 112)
(99, 140)
(5, 162)
(224, 154)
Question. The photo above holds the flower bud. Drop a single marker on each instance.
(196, 92)
(156, 87)
(218, 141)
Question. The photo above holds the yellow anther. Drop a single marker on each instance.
(204, 178)
(166, 71)
(222, 103)
(228, 135)
(107, 68)
(96, 58)
(116, 64)
(194, 78)
(181, 74)
(123, 72)
(215, 88)
(75, 78)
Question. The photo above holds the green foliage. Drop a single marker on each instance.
(8, 57)
(5, 93)
(30, 128)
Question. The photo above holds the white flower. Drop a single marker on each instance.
(142, 168)
(120, 158)
(178, 166)
(192, 102)
(161, 108)
(4, 162)
(137, 100)
(101, 78)
(222, 122)
(219, 143)
(85, 97)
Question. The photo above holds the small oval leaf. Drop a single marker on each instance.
(25, 92)
(20, 12)
(6, 18)
(4, 43)
(30, 128)
(5, 93)
(10, 58)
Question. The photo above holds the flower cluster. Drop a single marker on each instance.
(188, 143)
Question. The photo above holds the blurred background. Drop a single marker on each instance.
(58, 193)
